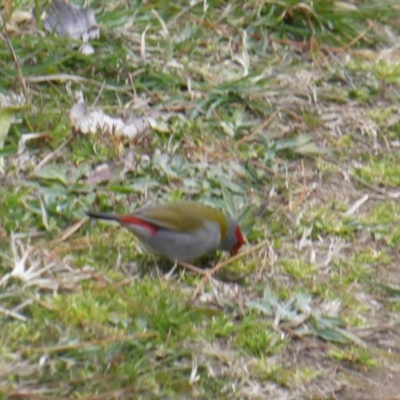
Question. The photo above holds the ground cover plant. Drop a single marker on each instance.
(284, 114)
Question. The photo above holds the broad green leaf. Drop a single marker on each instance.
(58, 172)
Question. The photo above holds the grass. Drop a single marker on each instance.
(283, 114)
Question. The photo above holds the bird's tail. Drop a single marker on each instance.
(101, 215)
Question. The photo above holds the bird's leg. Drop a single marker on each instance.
(169, 274)
(158, 270)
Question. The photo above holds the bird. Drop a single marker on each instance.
(180, 231)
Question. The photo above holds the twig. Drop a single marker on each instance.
(21, 78)
(193, 268)
(387, 194)
(70, 231)
(52, 154)
(95, 342)
(76, 78)
(258, 129)
(224, 263)
(13, 314)
(356, 206)
(357, 38)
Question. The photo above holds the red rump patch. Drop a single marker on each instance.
(131, 220)
(239, 238)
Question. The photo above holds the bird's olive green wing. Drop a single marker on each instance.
(184, 216)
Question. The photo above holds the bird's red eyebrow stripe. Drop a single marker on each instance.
(131, 220)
